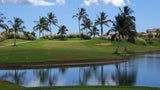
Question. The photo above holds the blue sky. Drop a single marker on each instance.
(147, 12)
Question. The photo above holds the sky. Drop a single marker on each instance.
(147, 12)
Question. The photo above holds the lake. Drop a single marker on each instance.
(142, 70)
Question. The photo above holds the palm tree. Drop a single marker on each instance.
(51, 19)
(118, 26)
(42, 25)
(16, 27)
(94, 31)
(87, 24)
(2, 25)
(62, 31)
(101, 20)
(80, 15)
(129, 21)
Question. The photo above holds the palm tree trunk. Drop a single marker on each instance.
(15, 38)
(118, 44)
(79, 29)
(125, 44)
(39, 34)
(50, 30)
(79, 26)
(43, 33)
(102, 79)
(101, 30)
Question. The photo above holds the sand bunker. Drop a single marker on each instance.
(104, 44)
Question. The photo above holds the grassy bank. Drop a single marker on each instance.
(68, 50)
(4, 85)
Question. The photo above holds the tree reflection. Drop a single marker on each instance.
(17, 77)
(46, 76)
(62, 70)
(125, 75)
(52, 79)
(86, 73)
(102, 78)
(42, 75)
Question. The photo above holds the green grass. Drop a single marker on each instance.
(68, 50)
(8, 85)
(10, 41)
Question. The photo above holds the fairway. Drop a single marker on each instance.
(40, 51)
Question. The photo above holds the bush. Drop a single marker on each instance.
(2, 38)
(73, 35)
(105, 37)
(140, 34)
(150, 35)
(158, 34)
(10, 35)
(85, 37)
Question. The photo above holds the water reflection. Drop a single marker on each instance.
(124, 75)
(15, 76)
(132, 73)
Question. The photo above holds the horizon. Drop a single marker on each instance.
(29, 11)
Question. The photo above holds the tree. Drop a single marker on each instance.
(129, 27)
(150, 35)
(87, 24)
(2, 25)
(17, 26)
(102, 20)
(51, 19)
(94, 31)
(62, 31)
(80, 15)
(118, 29)
(42, 25)
(158, 34)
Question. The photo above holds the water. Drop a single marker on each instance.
(143, 70)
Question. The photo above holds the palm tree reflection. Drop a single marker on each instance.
(17, 77)
(124, 75)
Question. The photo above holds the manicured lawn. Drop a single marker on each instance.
(10, 41)
(68, 50)
(8, 85)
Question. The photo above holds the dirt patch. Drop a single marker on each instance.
(58, 64)
(104, 44)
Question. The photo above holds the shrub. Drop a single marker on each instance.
(73, 35)
(158, 34)
(150, 35)
(105, 37)
(140, 34)
(85, 37)
(10, 35)
(2, 37)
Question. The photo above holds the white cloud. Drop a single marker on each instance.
(61, 2)
(117, 3)
(89, 2)
(28, 2)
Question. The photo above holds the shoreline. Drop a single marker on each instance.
(70, 63)
(59, 64)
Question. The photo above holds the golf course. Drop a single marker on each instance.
(43, 51)
(79, 45)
